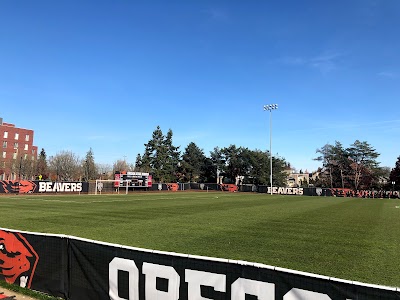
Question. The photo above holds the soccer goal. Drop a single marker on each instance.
(111, 186)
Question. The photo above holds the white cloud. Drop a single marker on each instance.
(325, 62)
(217, 15)
(387, 74)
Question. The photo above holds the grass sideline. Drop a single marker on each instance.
(348, 238)
(26, 292)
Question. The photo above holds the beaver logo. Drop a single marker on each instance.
(18, 259)
(172, 186)
(15, 186)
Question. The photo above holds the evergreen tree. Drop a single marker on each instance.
(208, 171)
(41, 166)
(89, 166)
(139, 164)
(279, 177)
(193, 160)
(395, 176)
(161, 156)
(172, 162)
(234, 163)
(218, 162)
(259, 167)
(253, 165)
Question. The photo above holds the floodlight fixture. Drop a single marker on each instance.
(270, 107)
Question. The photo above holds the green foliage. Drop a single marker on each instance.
(279, 174)
(193, 160)
(161, 157)
(395, 175)
(354, 167)
(254, 165)
(362, 159)
(208, 171)
(259, 167)
(139, 165)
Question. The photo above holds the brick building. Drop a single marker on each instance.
(18, 154)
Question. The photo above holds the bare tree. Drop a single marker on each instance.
(121, 165)
(66, 166)
(27, 168)
(104, 171)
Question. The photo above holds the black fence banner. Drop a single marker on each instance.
(38, 186)
(116, 272)
(35, 261)
(75, 268)
(317, 192)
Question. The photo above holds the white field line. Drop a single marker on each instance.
(105, 201)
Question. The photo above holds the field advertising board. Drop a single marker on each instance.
(75, 268)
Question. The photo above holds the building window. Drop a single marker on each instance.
(33, 151)
(5, 134)
(4, 154)
(26, 147)
(15, 155)
(27, 137)
(25, 156)
(16, 136)
(4, 144)
(15, 145)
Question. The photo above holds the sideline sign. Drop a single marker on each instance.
(75, 269)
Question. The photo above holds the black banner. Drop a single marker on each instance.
(76, 269)
(38, 186)
(30, 260)
(139, 274)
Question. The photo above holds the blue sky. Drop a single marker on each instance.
(104, 74)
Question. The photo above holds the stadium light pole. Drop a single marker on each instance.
(270, 107)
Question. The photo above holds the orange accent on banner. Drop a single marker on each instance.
(17, 258)
(172, 186)
(229, 187)
(18, 186)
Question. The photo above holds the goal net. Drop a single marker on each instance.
(111, 186)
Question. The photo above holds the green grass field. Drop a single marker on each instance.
(355, 239)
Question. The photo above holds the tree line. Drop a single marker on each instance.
(355, 167)
(168, 164)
